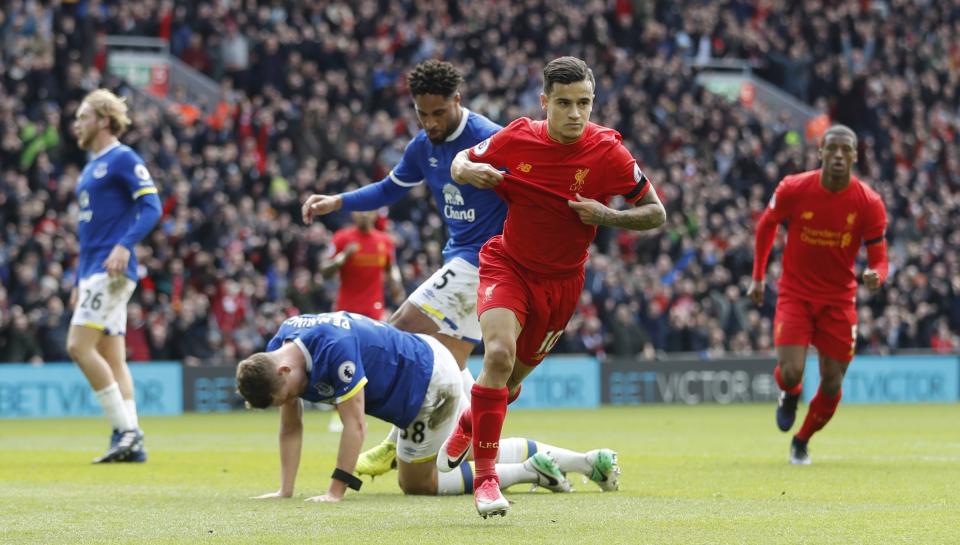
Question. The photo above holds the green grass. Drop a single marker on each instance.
(691, 475)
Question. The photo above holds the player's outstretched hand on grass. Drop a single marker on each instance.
(271, 495)
(591, 212)
(755, 291)
(871, 279)
(326, 498)
(320, 205)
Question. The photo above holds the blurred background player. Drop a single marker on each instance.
(362, 254)
(445, 304)
(556, 176)
(409, 380)
(118, 207)
(830, 214)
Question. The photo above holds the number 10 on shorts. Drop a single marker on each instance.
(549, 341)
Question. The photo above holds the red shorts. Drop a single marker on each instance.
(832, 329)
(542, 304)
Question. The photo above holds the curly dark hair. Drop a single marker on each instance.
(434, 77)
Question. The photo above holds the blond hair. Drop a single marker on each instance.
(111, 107)
(257, 380)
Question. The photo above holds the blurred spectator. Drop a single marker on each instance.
(627, 338)
(52, 331)
(19, 339)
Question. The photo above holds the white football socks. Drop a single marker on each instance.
(132, 411)
(513, 450)
(115, 408)
(452, 483)
(567, 460)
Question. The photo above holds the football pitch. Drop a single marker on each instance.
(706, 474)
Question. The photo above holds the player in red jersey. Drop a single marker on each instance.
(362, 254)
(830, 214)
(556, 177)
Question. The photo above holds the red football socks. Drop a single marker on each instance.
(821, 411)
(489, 407)
(513, 397)
(796, 389)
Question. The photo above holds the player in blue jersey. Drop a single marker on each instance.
(410, 380)
(118, 207)
(445, 305)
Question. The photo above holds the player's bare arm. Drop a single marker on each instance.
(766, 232)
(480, 175)
(320, 205)
(397, 293)
(647, 214)
(333, 265)
(351, 441)
(291, 443)
(877, 265)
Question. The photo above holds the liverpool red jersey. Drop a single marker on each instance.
(824, 235)
(361, 277)
(542, 233)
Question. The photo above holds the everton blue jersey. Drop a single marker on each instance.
(346, 352)
(472, 215)
(109, 185)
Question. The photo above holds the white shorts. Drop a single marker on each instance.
(442, 405)
(102, 303)
(449, 297)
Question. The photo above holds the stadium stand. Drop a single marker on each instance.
(320, 105)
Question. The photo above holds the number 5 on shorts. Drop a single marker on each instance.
(447, 275)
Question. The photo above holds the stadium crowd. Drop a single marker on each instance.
(322, 106)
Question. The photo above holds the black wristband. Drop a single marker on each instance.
(347, 478)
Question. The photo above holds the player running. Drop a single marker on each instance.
(556, 176)
(410, 380)
(445, 305)
(118, 207)
(830, 214)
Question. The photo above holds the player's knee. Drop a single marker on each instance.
(77, 349)
(790, 372)
(402, 321)
(499, 357)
